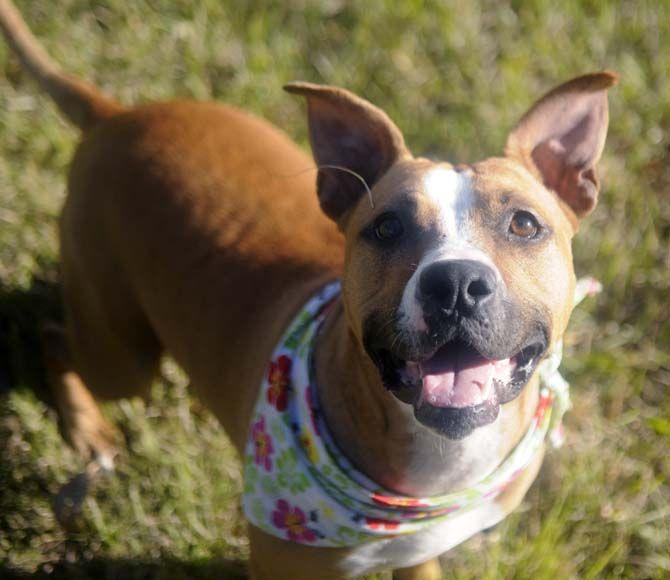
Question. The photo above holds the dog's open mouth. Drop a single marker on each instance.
(455, 388)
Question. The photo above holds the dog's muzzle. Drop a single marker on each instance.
(473, 356)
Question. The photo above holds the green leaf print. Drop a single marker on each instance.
(277, 430)
(305, 344)
(294, 338)
(269, 485)
(345, 535)
(346, 502)
(288, 476)
(341, 480)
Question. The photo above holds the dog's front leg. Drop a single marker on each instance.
(274, 559)
(430, 570)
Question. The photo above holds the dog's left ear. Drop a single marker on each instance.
(560, 139)
(350, 133)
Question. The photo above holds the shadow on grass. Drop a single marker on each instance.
(24, 487)
(133, 569)
(22, 313)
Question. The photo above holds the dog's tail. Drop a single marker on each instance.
(81, 102)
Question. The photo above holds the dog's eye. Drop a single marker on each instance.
(524, 225)
(388, 227)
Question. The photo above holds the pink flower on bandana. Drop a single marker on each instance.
(293, 520)
(279, 379)
(263, 448)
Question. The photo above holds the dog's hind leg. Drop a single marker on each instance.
(82, 422)
(105, 351)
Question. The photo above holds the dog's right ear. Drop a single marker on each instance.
(350, 133)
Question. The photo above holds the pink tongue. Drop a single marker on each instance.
(458, 377)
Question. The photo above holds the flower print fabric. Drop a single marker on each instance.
(263, 449)
(278, 382)
(300, 487)
(292, 519)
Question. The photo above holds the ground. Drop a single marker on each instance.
(455, 76)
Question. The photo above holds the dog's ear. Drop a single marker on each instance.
(350, 133)
(560, 139)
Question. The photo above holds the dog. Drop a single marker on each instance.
(194, 229)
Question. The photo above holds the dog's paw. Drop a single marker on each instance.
(92, 436)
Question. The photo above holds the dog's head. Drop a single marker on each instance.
(458, 278)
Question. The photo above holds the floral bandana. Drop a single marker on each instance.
(298, 486)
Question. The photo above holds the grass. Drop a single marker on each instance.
(455, 76)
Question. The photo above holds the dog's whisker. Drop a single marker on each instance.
(356, 175)
(340, 168)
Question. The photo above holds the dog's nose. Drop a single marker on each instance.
(457, 285)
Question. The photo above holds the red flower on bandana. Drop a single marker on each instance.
(279, 378)
(377, 524)
(543, 404)
(293, 520)
(263, 448)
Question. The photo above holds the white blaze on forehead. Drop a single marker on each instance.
(453, 196)
(451, 191)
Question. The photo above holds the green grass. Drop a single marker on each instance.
(455, 76)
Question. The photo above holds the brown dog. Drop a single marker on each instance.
(193, 228)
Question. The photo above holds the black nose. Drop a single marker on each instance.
(457, 285)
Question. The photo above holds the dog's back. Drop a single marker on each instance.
(227, 234)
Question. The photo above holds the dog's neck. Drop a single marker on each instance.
(380, 435)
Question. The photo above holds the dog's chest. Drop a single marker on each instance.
(412, 549)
